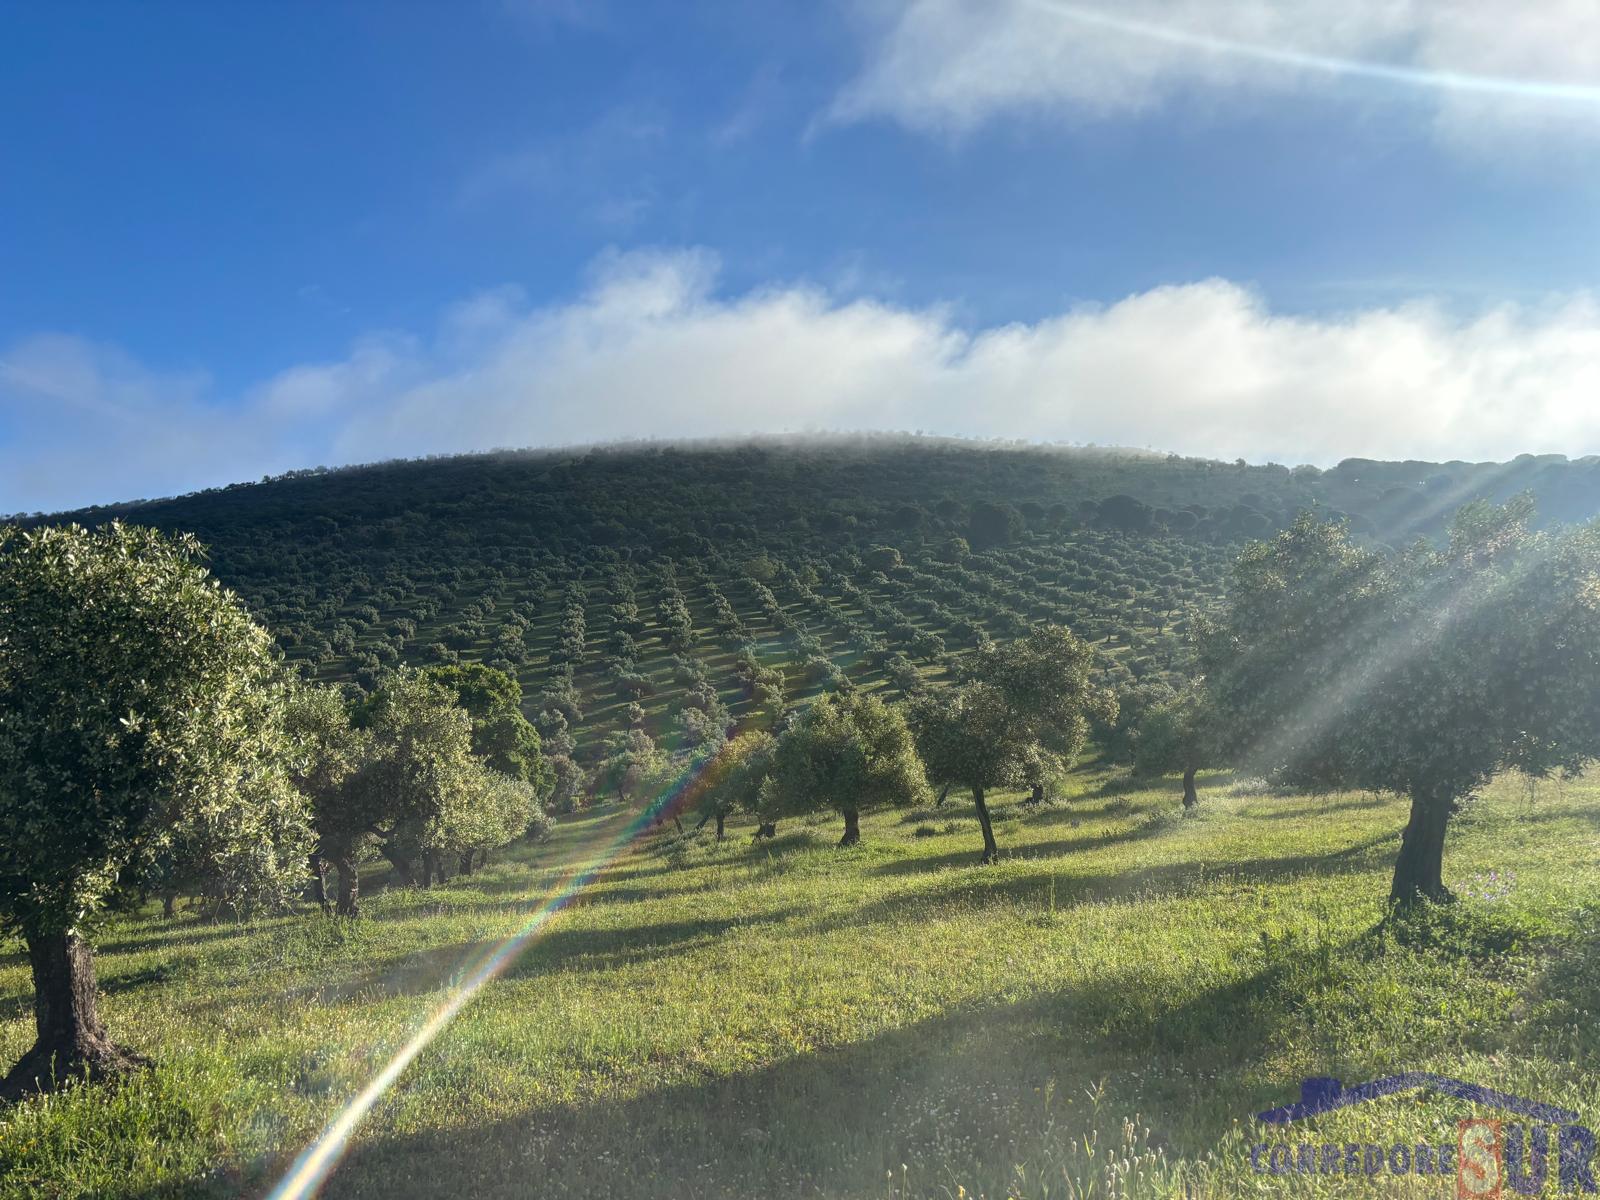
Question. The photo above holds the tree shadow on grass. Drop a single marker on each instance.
(918, 864)
(111, 981)
(1319, 806)
(1070, 887)
(1563, 1021)
(561, 948)
(527, 896)
(176, 936)
(960, 1098)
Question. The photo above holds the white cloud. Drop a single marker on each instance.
(650, 348)
(1484, 68)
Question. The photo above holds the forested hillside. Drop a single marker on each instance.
(670, 589)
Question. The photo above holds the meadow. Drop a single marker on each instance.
(1099, 1014)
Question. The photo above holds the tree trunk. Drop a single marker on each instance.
(720, 819)
(1419, 871)
(401, 862)
(168, 900)
(852, 828)
(678, 822)
(319, 880)
(70, 1039)
(349, 885)
(767, 829)
(989, 848)
(943, 792)
(433, 868)
(1190, 796)
(464, 867)
(1037, 795)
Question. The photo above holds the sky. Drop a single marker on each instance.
(243, 238)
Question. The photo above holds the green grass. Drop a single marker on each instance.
(1098, 1015)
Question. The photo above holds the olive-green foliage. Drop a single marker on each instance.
(1175, 735)
(732, 779)
(501, 735)
(1044, 678)
(630, 764)
(567, 779)
(140, 728)
(849, 752)
(420, 788)
(486, 810)
(326, 751)
(1422, 673)
(1118, 738)
(1023, 713)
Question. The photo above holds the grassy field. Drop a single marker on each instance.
(1098, 1015)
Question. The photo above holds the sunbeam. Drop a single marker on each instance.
(318, 1160)
(1420, 77)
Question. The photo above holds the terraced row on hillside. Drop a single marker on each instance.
(647, 634)
(668, 589)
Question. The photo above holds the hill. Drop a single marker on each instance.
(637, 586)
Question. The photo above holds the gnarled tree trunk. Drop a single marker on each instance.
(1190, 796)
(852, 828)
(432, 868)
(720, 819)
(349, 885)
(402, 862)
(989, 847)
(1419, 870)
(464, 867)
(943, 792)
(70, 1040)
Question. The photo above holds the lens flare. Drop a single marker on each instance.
(1389, 647)
(1458, 81)
(319, 1159)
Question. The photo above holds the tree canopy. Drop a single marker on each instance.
(734, 776)
(1175, 735)
(326, 752)
(420, 791)
(1423, 673)
(850, 752)
(501, 735)
(1024, 708)
(140, 730)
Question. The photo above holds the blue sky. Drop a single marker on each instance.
(242, 238)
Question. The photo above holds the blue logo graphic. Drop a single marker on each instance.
(1320, 1094)
(1489, 1157)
